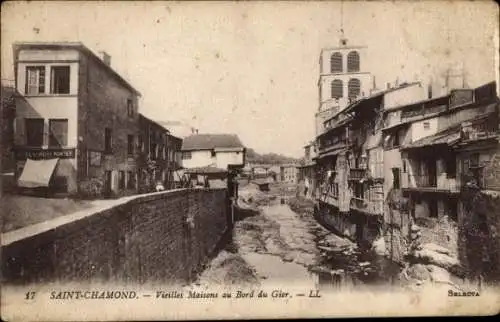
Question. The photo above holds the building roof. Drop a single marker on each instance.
(205, 170)
(157, 124)
(445, 137)
(211, 141)
(73, 45)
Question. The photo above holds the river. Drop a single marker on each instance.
(279, 246)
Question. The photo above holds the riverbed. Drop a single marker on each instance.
(274, 245)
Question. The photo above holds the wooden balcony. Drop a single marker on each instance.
(367, 206)
(428, 183)
(327, 195)
(356, 174)
(483, 128)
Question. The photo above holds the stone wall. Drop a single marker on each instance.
(479, 238)
(164, 237)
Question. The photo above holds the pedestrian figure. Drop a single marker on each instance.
(306, 186)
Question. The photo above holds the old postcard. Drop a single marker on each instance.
(240, 160)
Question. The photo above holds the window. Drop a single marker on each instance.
(433, 208)
(213, 153)
(396, 142)
(121, 180)
(140, 143)
(130, 108)
(59, 76)
(337, 88)
(427, 125)
(34, 132)
(395, 178)
(131, 180)
(474, 160)
(354, 88)
(186, 155)
(35, 80)
(353, 61)
(58, 132)
(336, 63)
(130, 144)
(108, 142)
(453, 209)
(451, 166)
(60, 184)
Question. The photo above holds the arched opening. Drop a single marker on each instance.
(336, 63)
(353, 61)
(354, 88)
(337, 88)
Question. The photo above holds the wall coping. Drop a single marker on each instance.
(40, 228)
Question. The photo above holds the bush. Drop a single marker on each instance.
(91, 188)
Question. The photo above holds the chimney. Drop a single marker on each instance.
(429, 89)
(388, 85)
(105, 57)
(374, 83)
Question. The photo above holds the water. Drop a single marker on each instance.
(339, 263)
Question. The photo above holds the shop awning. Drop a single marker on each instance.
(37, 173)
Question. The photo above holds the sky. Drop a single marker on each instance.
(251, 68)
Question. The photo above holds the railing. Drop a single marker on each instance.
(357, 173)
(475, 179)
(327, 194)
(426, 182)
(375, 207)
(480, 129)
(425, 108)
(359, 203)
(337, 144)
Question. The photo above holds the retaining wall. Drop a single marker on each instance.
(164, 236)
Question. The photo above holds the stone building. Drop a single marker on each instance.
(288, 173)
(218, 150)
(76, 121)
(159, 154)
(8, 114)
(351, 164)
(306, 170)
(342, 80)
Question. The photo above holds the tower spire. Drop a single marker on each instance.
(343, 40)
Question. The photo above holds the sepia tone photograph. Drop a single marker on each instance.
(199, 160)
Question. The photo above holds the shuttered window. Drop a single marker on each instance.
(35, 80)
(336, 63)
(354, 88)
(353, 61)
(337, 88)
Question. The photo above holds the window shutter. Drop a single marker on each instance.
(41, 80)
